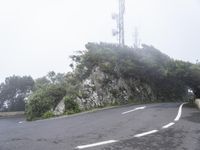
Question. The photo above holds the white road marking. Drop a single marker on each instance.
(139, 108)
(96, 144)
(146, 133)
(137, 135)
(20, 122)
(168, 125)
(179, 112)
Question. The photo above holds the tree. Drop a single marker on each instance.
(52, 76)
(41, 82)
(14, 91)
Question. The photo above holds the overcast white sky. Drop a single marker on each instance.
(37, 36)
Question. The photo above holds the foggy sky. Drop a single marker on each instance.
(37, 36)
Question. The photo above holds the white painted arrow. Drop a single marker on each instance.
(139, 108)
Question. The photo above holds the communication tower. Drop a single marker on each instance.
(119, 18)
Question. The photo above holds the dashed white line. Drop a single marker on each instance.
(96, 144)
(146, 133)
(137, 135)
(139, 108)
(168, 125)
(179, 112)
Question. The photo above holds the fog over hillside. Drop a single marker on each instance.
(38, 36)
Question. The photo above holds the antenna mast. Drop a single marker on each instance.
(119, 32)
(136, 42)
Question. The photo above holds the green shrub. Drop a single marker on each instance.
(71, 106)
(48, 114)
(43, 100)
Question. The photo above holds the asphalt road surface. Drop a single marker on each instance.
(139, 127)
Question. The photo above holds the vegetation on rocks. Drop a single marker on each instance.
(48, 114)
(48, 92)
(146, 74)
(71, 106)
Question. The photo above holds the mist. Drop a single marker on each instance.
(39, 36)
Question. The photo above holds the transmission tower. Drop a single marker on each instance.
(136, 40)
(119, 17)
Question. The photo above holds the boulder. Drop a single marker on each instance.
(60, 108)
(197, 102)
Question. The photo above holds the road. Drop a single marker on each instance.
(136, 127)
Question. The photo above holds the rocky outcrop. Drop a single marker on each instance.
(60, 108)
(197, 102)
(101, 89)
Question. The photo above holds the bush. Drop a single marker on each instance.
(43, 100)
(38, 104)
(48, 114)
(71, 106)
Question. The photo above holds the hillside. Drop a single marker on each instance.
(107, 74)
(110, 74)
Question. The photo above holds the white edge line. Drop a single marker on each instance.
(168, 125)
(179, 112)
(96, 144)
(146, 133)
(139, 108)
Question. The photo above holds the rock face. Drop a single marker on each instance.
(197, 102)
(107, 74)
(60, 108)
(101, 89)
